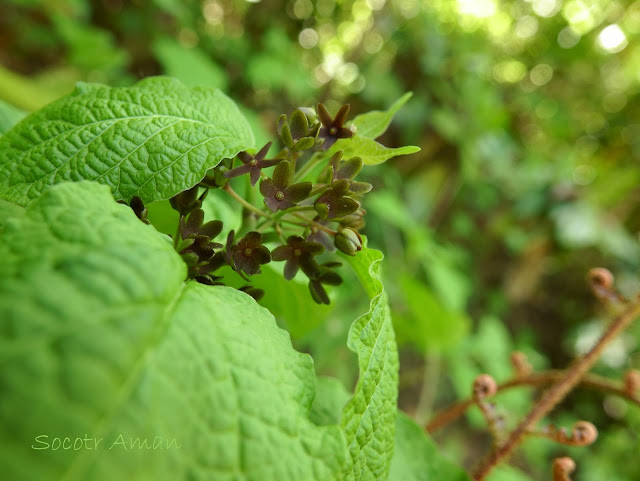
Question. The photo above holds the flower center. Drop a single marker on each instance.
(247, 252)
(280, 195)
(333, 131)
(297, 252)
(253, 162)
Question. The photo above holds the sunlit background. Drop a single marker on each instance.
(528, 118)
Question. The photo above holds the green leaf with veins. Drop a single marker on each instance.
(369, 417)
(375, 123)
(370, 151)
(415, 458)
(152, 140)
(101, 338)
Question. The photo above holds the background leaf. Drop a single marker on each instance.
(417, 457)
(375, 123)
(370, 151)
(152, 140)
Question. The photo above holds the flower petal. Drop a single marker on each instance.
(299, 124)
(344, 206)
(261, 255)
(282, 174)
(262, 153)
(254, 175)
(298, 192)
(281, 253)
(243, 169)
(349, 168)
(341, 116)
(268, 188)
(324, 116)
(272, 204)
(318, 293)
(253, 239)
(211, 228)
(291, 268)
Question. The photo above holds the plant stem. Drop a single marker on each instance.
(430, 375)
(589, 381)
(246, 204)
(176, 237)
(315, 224)
(308, 167)
(278, 215)
(570, 378)
(319, 190)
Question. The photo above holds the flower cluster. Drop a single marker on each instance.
(311, 207)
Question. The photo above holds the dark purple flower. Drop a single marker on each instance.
(248, 254)
(333, 128)
(252, 164)
(326, 276)
(279, 193)
(348, 169)
(333, 203)
(299, 254)
(254, 292)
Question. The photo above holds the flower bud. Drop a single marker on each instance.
(348, 241)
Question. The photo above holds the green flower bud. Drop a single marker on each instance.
(348, 241)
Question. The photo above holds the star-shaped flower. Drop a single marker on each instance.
(296, 132)
(252, 164)
(299, 254)
(333, 203)
(195, 243)
(326, 276)
(279, 193)
(333, 128)
(348, 169)
(248, 254)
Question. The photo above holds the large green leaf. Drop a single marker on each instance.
(370, 151)
(417, 457)
(101, 338)
(152, 140)
(375, 123)
(369, 416)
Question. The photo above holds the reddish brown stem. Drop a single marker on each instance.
(589, 381)
(571, 377)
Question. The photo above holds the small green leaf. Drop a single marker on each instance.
(417, 457)
(102, 339)
(370, 151)
(369, 417)
(375, 123)
(152, 140)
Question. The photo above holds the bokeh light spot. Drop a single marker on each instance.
(612, 39)
(541, 74)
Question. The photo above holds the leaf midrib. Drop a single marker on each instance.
(79, 467)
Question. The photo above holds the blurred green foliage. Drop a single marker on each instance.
(526, 112)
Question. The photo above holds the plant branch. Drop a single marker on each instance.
(308, 167)
(589, 381)
(246, 204)
(315, 224)
(570, 378)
